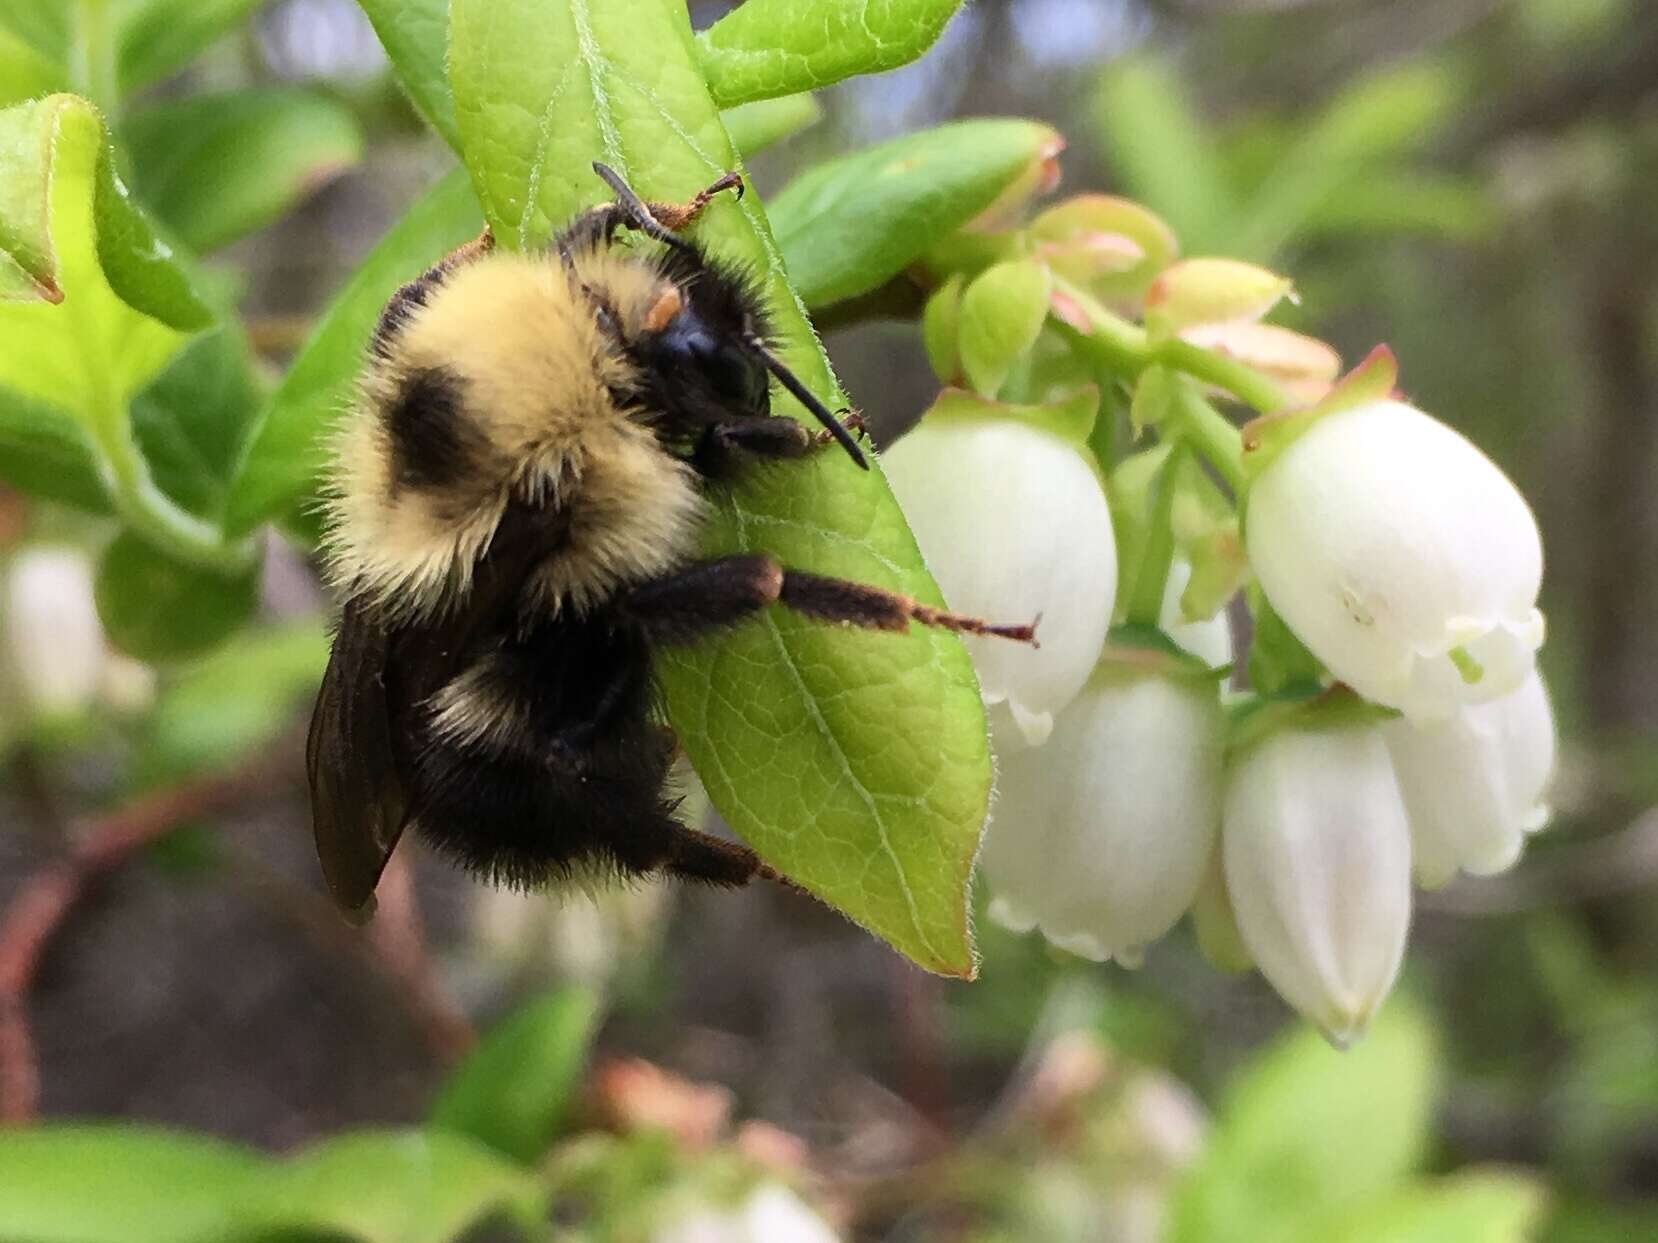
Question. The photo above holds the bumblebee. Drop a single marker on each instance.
(513, 519)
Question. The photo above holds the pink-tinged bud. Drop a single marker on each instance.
(1110, 246)
(1212, 291)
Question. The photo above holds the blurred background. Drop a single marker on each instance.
(1471, 181)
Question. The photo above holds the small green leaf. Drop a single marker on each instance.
(855, 763)
(849, 225)
(66, 219)
(755, 126)
(46, 453)
(287, 444)
(1473, 1206)
(515, 1089)
(1306, 1129)
(1002, 312)
(156, 608)
(389, 1187)
(941, 329)
(119, 1183)
(192, 421)
(767, 48)
(415, 34)
(216, 166)
(237, 699)
(157, 37)
(1266, 437)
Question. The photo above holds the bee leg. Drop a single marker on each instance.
(873, 608)
(412, 295)
(723, 447)
(715, 595)
(702, 857)
(704, 597)
(678, 215)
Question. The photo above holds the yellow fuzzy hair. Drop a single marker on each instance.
(535, 379)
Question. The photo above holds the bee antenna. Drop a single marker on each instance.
(804, 396)
(638, 212)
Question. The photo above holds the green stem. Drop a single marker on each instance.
(1126, 348)
(149, 511)
(1241, 380)
(95, 72)
(1145, 603)
(1211, 433)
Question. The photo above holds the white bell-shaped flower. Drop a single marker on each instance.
(771, 1214)
(1474, 785)
(55, 643)
(1317, 855)
(1101, 837)
(1013, 523)
(1402, 557)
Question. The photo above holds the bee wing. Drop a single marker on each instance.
(359, 805)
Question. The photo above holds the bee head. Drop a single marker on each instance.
(695, 347)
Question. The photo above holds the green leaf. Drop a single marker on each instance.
(941, 329)
(1306, 1128)
(236, 700)
(1158, 149)
(415, 34)
(755, 126)
(157, 608)
(849, 225)
(390, 1187)
(189, 423)
(1475, 1206)
(25, 72)
(192, 420)
(67, 223)
(1002, 312)
(286, 449)
(46, 453)
(766, 48)
(515, 1089)
(214, 167)
(118, 1184)
(157, 37)
(856, 763)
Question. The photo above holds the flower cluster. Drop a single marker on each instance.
(1387, 720)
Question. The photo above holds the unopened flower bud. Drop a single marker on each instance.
(1402, 557)
(1317, 855)
(1474, 785)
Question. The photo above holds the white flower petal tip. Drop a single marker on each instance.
(1345, 1029)
(1475, 783)
(1101, 837)
(1013, 523)
(1317, 857)
(1402, 556)
(1210, 640)
(1010, 915)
